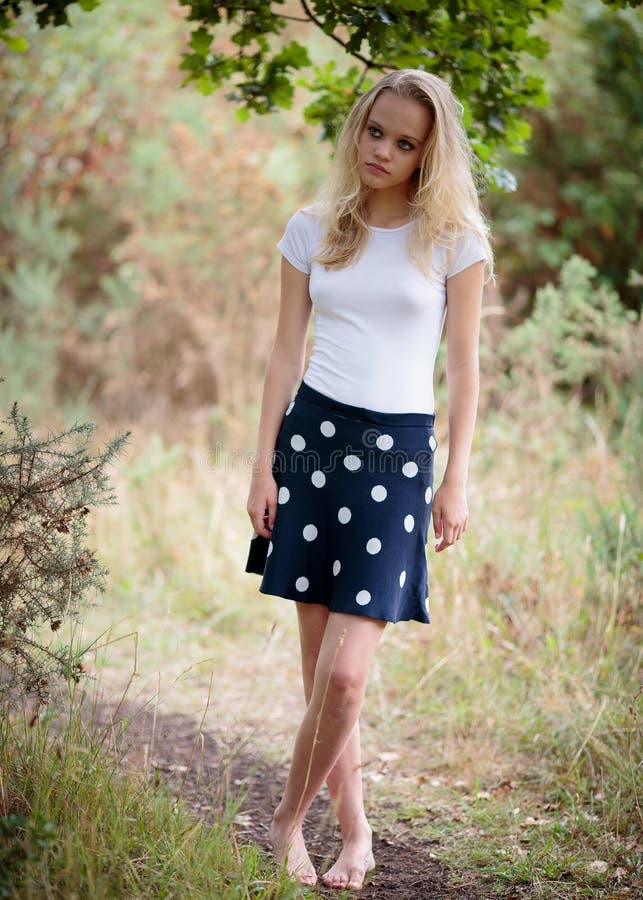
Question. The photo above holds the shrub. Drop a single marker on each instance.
(579, 338)
(47, 488)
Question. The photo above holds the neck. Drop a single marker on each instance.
(388, 208)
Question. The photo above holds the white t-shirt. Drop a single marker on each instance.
(378, 321)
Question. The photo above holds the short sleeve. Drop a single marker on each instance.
(297, 243)
(467, 250)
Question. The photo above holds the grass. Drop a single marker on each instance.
(506, 733)
(74, 821)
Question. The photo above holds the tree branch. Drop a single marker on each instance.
(369, 63)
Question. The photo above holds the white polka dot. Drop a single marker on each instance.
(284, 495)
(409, 522)
(318, 478)
(327, 428)
(310, 532)
(336, 567)
(352, 462)
(379, 493)
(297, 442)
(374, 545)
(410, 469)
(363, 597)
(432, 443)
(302, 583)
(344, 515)
(269, 549)
(402, 577)
(290, 406)
(428, 494)
(384, 442)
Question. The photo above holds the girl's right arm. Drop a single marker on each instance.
(283, 372)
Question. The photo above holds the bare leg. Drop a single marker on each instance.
(345, 786)
(342, 667)
(345, 778)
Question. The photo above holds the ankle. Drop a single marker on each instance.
(357, 830)
(284, 823)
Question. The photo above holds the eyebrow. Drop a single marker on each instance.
(406, 136)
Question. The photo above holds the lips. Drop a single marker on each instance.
(378, 169)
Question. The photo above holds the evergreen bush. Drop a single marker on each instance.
(47, 488)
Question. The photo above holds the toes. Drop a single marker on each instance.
(354, 881)
(334, 880)
(302, 876)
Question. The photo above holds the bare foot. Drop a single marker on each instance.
(290, 851)
(355, 860)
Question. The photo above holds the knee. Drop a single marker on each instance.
(345, 690)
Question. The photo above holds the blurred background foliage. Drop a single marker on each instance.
(137, 224)
(580, 187)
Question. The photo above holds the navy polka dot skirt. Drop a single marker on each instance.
(354, 506)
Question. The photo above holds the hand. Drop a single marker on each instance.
(262, 503)
(450, 514)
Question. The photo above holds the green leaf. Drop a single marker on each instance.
(19, 44)
(205, 85)
(294, 55)
(201, 41)
(281, 93)
(191, 62)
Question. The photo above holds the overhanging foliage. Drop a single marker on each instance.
(479, 46)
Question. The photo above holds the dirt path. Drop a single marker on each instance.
(200, 767)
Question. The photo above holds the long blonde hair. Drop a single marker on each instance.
(444, 200)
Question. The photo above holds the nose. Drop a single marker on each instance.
(383, 149)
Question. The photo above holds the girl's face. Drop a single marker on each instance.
(391, 144)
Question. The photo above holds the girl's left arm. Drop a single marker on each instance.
(464, 303)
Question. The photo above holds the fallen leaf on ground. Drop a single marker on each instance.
(389, 757)
(243, 819)
(599, 866)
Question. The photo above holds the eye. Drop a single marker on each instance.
(404, 145)
(373, 131)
